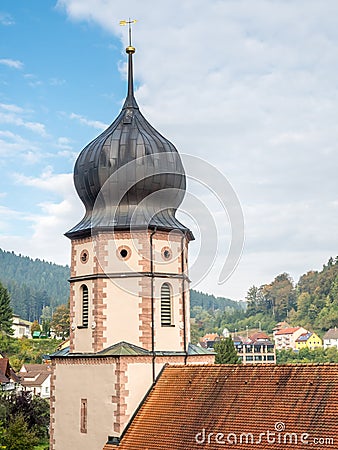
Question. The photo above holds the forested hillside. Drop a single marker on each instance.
(33, 284)
(312, 302)
(212, 303)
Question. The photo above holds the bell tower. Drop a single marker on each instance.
(129, 285)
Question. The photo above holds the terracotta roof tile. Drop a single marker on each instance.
(287, 331)
(189, 402)
(210, 337)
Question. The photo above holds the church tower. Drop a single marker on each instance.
(129, 285)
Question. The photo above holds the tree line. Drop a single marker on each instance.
(312, 302)
(33, 284)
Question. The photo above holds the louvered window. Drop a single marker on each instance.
(85, 305)
(166, 312)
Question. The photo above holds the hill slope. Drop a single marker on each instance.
(33, 284)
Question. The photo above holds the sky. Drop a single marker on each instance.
(248, 87)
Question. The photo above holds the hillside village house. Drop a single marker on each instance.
(209, 339)
(330, 338)
(308, 340)
(256, 349)
(35, 378)
(8, 378)
(21, 327)
(286, 338)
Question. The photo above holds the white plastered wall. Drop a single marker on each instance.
(97, 386)
(123, 311)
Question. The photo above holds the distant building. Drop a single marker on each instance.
(286, 338)
(257, 348)
(226, 332)
(35, 378)
(208, 340)
(330, 338)
(8, 378)
(21, 327)
(281, 326)
(309, 340)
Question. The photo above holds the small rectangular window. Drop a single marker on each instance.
(85, 306)
(83, 419)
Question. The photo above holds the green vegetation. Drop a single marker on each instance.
(226, 352)
(211, 303)
(33, 284)
(30, 351)
(311, 303)
(24, 421)
(6, 312)
(60, 322)
(318, 355)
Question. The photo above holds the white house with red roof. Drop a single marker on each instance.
(286, 338)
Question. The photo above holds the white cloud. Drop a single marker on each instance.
(12, 114)
(61, 184)
(12, 63)
(56, 216)
(12, 144)
(90, 123)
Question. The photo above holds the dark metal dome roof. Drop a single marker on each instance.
(130, 175)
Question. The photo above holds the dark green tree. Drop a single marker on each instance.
(226, 352)
(17, 436)
(6, 313)
(33, 410)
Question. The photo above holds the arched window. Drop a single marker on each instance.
(85, 305)
(166, 307)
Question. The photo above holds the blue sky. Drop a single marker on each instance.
(250, 87)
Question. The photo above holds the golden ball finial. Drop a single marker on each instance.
(130, 50)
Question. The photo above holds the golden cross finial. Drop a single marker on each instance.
(129, 23)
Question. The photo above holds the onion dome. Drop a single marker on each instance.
(130, 176)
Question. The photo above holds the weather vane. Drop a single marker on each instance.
(129, 23)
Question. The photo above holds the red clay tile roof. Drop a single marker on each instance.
(287, 331)
(210, 337)
(259, 335)
(6, 372)
(189, 402)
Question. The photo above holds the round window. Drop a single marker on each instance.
(84, 256)
(123, 252)
(166, 253)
